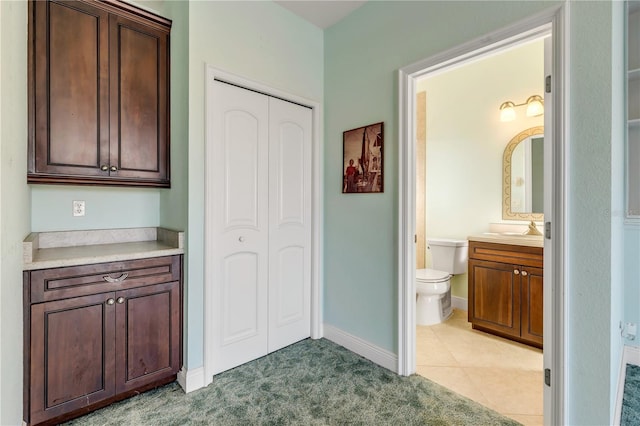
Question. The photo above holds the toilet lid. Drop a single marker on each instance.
(431, 275)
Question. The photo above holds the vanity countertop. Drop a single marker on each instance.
(509, 238)
(42, 250)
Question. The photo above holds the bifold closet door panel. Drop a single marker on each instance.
(290, 139)
(239, 225)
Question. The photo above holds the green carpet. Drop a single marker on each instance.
(313, 382)
(631, 397)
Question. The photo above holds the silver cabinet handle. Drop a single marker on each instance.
(120, 300)
(515, 271)
(104, 167)
(524, 273)
(121, 278)
(114, 169)
(110, 301)
(241, 239)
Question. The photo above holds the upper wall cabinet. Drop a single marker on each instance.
(98, 93)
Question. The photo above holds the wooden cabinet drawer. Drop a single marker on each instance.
(61, 283)
(505, 253)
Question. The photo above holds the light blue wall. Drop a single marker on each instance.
(362, 54)
(14, 202)
(260, 41)
(126, 207)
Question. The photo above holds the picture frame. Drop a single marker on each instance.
(363, 159)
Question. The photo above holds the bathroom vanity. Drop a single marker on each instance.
(506, 286)
(102, 318)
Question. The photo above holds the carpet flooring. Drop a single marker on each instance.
(313, 382)
(631, 397)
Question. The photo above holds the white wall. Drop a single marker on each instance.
(466, 140)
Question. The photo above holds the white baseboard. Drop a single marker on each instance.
(373, 353)
(630, 355)
(460, 303)
(191, 380)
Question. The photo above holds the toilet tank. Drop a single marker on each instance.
(449, 255)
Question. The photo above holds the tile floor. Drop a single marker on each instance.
(503, 375)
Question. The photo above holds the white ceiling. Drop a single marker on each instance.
(321, 13)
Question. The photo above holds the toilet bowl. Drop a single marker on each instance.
(433, 296)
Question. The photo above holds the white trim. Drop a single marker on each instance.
(460, 303)
(630, 355)
(191, 380)
(556, 21)
(317, 218)
(382, 357)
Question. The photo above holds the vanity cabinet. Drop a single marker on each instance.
(506, 290)
(98, 94)
(98, 333)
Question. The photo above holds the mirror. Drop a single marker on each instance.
(523, 176)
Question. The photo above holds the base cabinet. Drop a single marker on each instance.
(89, 350)
(506, 291)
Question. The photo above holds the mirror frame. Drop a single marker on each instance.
(507, 214)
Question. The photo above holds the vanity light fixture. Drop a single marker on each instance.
(534, 103)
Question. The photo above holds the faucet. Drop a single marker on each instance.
(533, 230)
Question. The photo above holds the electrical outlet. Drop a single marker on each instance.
(78, 208)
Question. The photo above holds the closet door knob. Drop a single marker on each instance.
(524, 273)
(104, 167)
(114, 169)
(515, 271)
(110, 301)
(120, 300)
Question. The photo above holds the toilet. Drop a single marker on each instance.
(433, 286)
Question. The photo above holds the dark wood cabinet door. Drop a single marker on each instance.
(494, 297)
(72, 354)
(147, 335)
(69, 120)
(532, 305)
(138, 143)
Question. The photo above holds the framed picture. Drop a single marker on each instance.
(362, 157)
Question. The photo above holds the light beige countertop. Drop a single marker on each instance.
(509, 238)
(42, 250)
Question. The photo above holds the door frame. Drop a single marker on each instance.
(556, 21)
(212, 74)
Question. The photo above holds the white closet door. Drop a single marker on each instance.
(240, 226)
(289, 223)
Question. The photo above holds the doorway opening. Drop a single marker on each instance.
(469, 163)
(550, 25)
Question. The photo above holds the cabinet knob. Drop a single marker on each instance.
(114, 169)
(241, 239)
(120, 300)
(524, 273)
(104, 167)
(110, 301)
(515, 271)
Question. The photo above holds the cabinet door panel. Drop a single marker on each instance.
(494, 297)
(71, 82)
(147, 334)
(138, 100)
(72, 354)
(532, 309)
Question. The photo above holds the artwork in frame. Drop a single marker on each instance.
(362, 157)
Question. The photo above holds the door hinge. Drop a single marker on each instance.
(547, 84)
(547, 377)
(547, 230)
